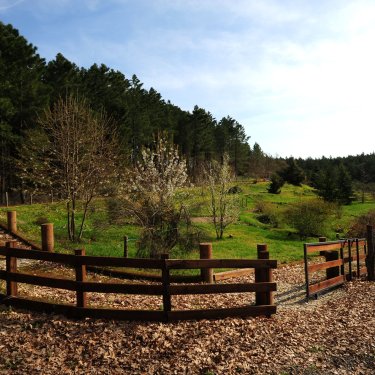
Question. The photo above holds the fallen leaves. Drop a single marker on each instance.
(332, 335)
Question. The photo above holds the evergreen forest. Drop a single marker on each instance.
(29, 85)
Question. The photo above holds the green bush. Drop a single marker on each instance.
(276, 184)
(268, 213)
(116, 212)
(310, 218)
(235, 190)
(358, 227)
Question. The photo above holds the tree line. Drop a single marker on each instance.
(29, 85)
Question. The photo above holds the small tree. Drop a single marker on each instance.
(326, 184)
(344, 186)
(223, 206)
(82, 152)
(276, 184)
(152, 194)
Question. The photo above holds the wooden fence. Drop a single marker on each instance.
(263, 287)
(344, 260)
(11, 228)
(47, 244)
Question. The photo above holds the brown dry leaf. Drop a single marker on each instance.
(334, 334)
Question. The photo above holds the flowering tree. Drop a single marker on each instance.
(152, 197)
(223, 205)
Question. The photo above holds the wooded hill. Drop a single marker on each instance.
(29, 85)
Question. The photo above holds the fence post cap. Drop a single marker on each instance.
(79, 252)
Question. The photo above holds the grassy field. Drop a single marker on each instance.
(105, 237)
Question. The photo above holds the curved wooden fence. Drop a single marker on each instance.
(263, 286)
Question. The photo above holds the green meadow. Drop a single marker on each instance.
(104, 236)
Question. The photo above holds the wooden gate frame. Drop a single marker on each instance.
(335, 269)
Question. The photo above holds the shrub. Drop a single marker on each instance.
(310, 218)
(276, 184)
(268, 213)
(235, 190)
(116, 213)
(358, 226)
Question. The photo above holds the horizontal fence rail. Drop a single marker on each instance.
(263, 287)
(344, 260)
(18, 236)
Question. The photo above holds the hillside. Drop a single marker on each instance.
(105, 228)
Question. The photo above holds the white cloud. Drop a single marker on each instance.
(8, 4)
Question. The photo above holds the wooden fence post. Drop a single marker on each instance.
(322, 239)
(330, 255)
(357, 256)
(263, 275)
(11, 266)
(167, 303)
(48, 240)
(349, 276)
(205, 252)
(12, 221)
(126, 252)
(81, 296)
(370, 258)
(333, 271)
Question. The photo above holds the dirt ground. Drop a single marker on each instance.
(332, 335)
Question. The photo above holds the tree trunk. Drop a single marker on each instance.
(70, 225)
(84, 218)
(73, 219)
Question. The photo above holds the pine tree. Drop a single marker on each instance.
(292, 174)
(344, 185)
(63, 77)
(326, 184)
(22, 96)
(257, 161)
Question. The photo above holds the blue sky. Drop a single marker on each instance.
(299, 75)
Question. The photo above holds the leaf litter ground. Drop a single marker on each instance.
(332, 335)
